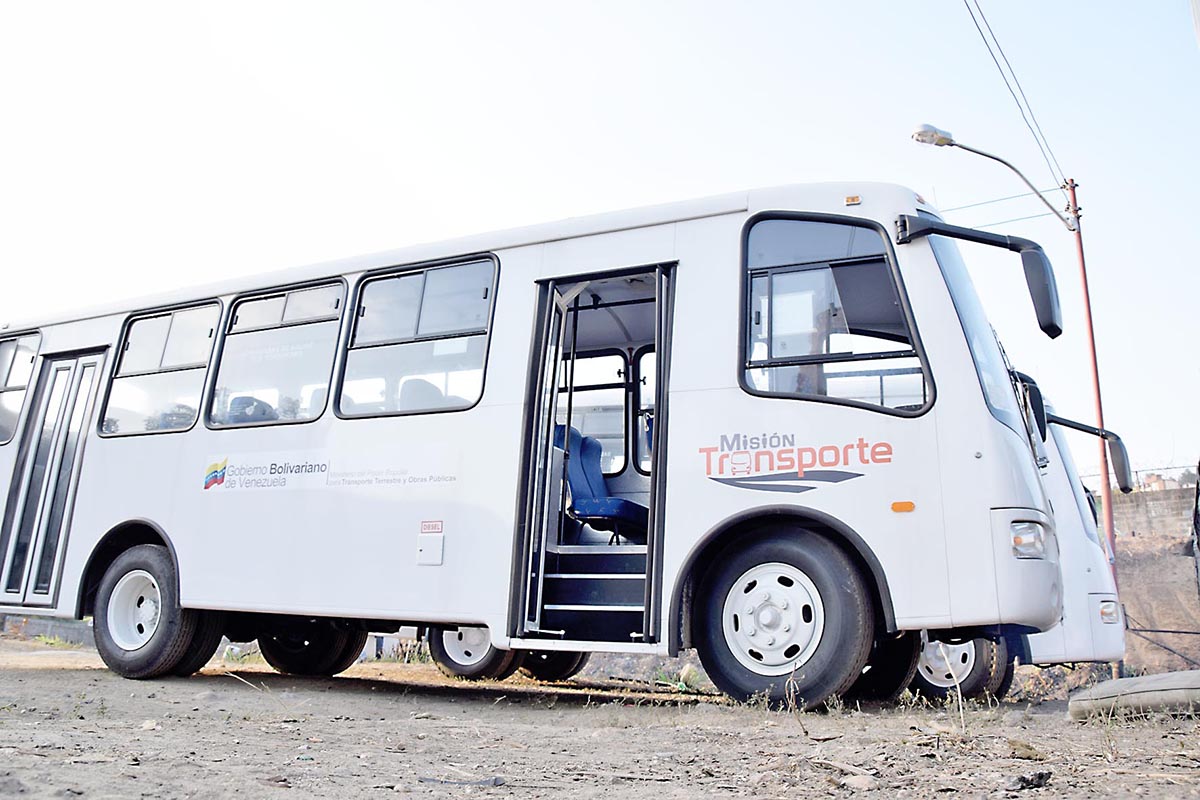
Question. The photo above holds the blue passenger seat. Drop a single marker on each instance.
(590, 501)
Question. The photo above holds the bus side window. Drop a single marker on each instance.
(647, 366)
(277, 358)
(420, 342)
(16, 369)
(160, 375)
(825, 318)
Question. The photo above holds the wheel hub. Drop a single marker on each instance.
(944, 665)
(134, 610)
(467, 645)
(773, 618)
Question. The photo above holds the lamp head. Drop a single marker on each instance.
(927, 134)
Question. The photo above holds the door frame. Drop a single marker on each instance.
(547, 305)
(75, 363)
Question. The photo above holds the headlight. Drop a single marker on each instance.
(1110, 612)
(1028, 540)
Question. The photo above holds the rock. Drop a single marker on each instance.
(1034, 780)
(1025, 750)
(860, 783)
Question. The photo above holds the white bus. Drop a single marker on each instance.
(774, 426)
(1092, 627)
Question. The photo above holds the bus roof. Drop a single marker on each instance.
(815, 195)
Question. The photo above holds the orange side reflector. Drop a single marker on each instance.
(901, 506)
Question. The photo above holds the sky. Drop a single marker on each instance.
(148, 146)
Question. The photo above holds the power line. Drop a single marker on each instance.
(1061, 177)
(998, 199)
(1015, 219)
(1011, 91)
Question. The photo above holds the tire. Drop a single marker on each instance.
(466, 652)
(141, 631)
(890, 668)
(1006, 679)
(311, 647)
(981, 660)
(553, 665)
(209, 631)
(804, 639)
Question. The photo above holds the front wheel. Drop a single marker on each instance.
(787, 618)
(141, 631)
(311, 647)
(977, 667)
(467, 652)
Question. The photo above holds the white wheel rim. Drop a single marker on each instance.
(134, 610)
(467, 646)
(941, 663)
(773, 619)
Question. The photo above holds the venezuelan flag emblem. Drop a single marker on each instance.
(215, 474)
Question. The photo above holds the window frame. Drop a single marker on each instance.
(744, 316)
(114, 373)
(210, 389)
(396, 271)
(33, 373)
(627, 388)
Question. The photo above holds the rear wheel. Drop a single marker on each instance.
(311, 647)
(787, 617)
(553, 665)
(976, 666)
(467, 652)
(141, 631)
(209, 630)
(890, 668)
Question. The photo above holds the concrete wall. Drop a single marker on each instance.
(1165, 513)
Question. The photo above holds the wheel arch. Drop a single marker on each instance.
(755, 522)
(117, 540)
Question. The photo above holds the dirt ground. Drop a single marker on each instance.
(70, 728)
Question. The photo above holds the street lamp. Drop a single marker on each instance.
(927, 134)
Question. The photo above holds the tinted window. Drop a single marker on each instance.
(258, 313)
(420, 342)
(388, 309)
(16, 369)
(274, 375)
(161, 375)
(456, 299)
(160, 401)
(278, 372)
(825, 318)
(324, 302)
(190, 338)
(598, 405)
(144, 344)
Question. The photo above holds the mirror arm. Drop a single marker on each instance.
(1116, 448)
(910, 228)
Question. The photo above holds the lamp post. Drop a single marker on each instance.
(927, 134)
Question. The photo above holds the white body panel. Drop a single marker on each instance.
(1087, 579)
(345, 543)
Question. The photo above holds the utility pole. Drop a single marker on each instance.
(1105, 485)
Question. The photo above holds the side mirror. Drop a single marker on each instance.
(1043, 291)
(1120, 462)
(1039, 275)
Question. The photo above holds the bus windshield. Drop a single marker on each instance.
(985, 350)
